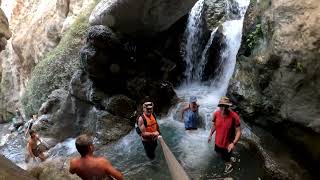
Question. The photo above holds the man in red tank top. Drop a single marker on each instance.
(149, 130)
(226, 123)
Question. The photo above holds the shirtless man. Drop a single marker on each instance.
(89, 167)
(33, 148)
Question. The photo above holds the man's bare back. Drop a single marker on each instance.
(93, 168)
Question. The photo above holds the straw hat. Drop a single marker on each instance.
(224, 101)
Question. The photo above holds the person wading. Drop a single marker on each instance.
(89, 167)
(149, 128)
(34, 147)
(226, 123)
(190, 114)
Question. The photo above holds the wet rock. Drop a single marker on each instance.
(56, 169)
(9, 170)
(111, 128)
(53, 102)
(279, 161)
(78, 112)
(212, 68)
(214, 13)
(277, 73)
(144, 17)
(161, 93)
(100, 53)
(120, 105)
(110, 64)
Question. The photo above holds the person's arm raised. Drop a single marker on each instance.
(182, 112)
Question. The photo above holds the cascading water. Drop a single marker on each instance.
(193, 34)
(190, 148)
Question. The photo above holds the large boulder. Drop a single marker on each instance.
(277, 73)
(53, 170)
(108, 63)
(140, 17)
(9, 170)
(82, 110)
(111, 128)
(5, 33)
(120, 105)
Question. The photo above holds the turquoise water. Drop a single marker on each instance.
(193, 152)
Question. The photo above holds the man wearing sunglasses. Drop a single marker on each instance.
(149, 129)
(226, 123)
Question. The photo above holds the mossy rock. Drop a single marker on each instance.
(56, 70)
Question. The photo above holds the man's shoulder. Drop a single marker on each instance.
(234, 114)
(74, 160)
(102, 161)
(216, 111)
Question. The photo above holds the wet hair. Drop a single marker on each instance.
(31, 132)
(83, 142)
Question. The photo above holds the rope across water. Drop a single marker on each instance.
(176, 170)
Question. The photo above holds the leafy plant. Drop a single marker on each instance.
(253, 37)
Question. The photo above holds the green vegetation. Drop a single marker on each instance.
(253, 37)
(56, 70)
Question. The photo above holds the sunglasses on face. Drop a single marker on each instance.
(224, 106)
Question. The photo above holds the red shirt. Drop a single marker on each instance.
(223, 126)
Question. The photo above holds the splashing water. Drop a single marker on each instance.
(190, 148)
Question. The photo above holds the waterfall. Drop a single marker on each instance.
(208, 96)
(193, 35)
(190, 148)
(199, 69)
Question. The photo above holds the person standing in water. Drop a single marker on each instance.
(226, 123)
(34, 149)
(190, 114)
(89, 167)
(149, 128)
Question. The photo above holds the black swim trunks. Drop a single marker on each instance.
(223, 152)
(150, 148)
(36, 152)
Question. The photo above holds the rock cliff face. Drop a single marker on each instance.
(140, 17)
(277, 77)
(5, 34)
(37, 27)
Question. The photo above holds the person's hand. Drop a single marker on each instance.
(230, 147)
(209, 140)
(156, 134)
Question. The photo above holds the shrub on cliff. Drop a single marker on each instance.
(56, 70)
